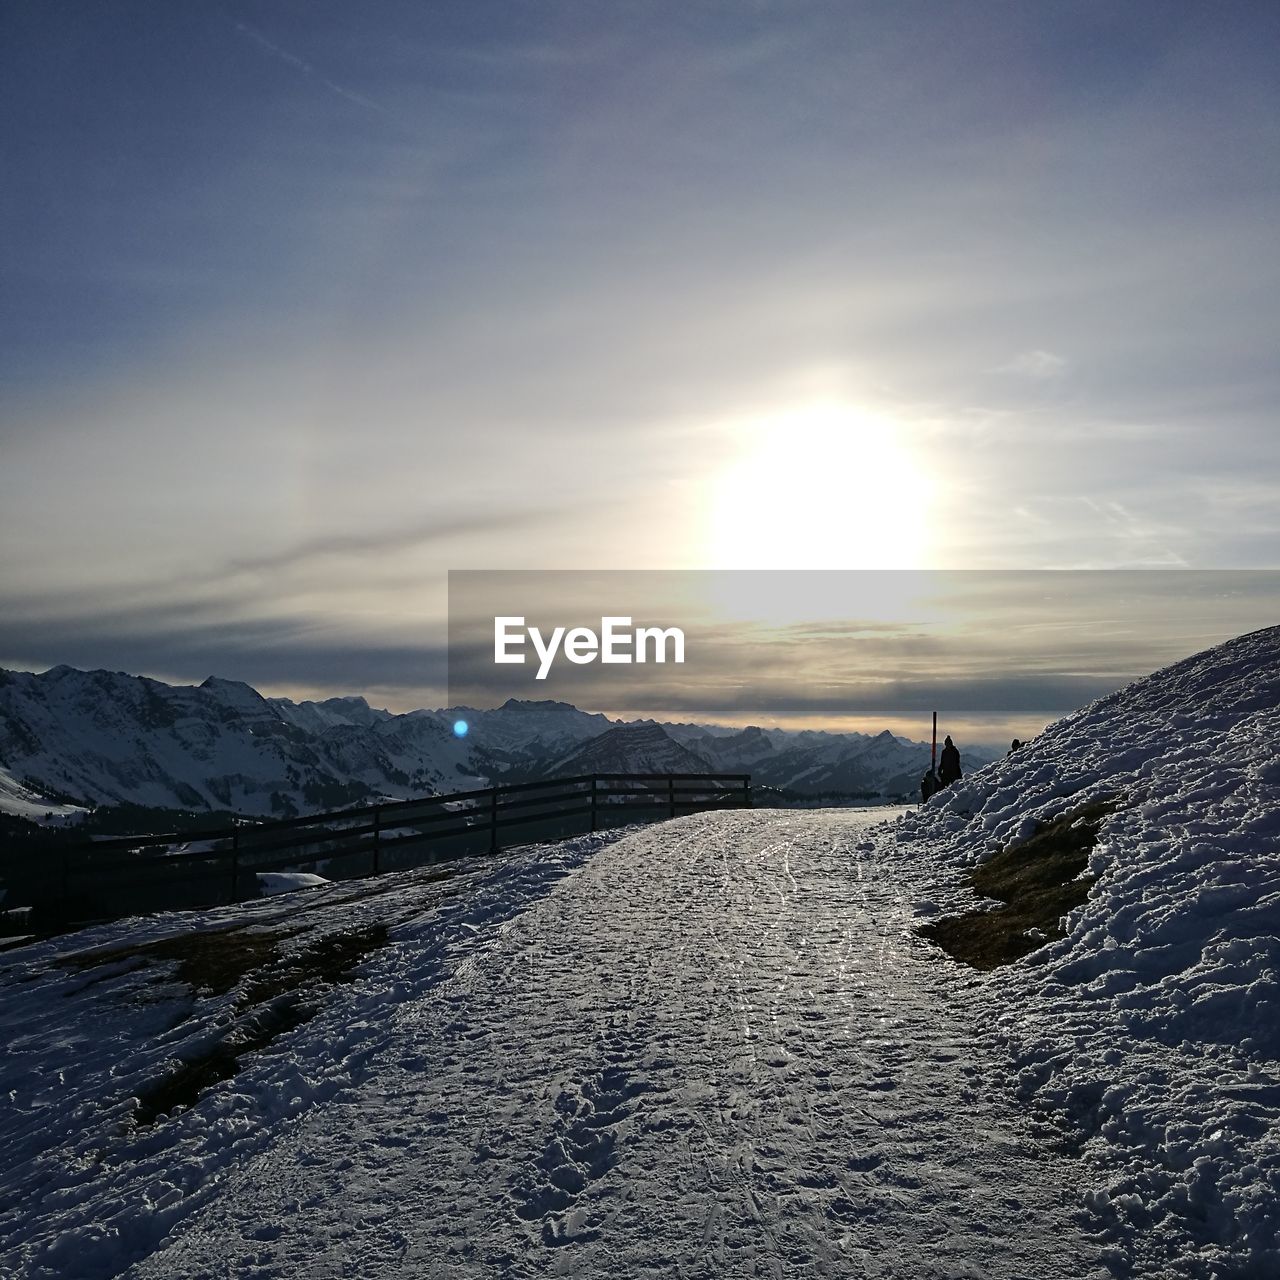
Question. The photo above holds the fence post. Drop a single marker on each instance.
(595, 803)
(235, 864)
(671, 795)
(377, 838)
(66, 875)
(746, 792)
(493, 820)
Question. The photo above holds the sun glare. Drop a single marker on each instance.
(825, 487)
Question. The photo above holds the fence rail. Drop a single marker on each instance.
(204, 868)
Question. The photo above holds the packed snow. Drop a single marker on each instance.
(710, 1047)
(715, 1047)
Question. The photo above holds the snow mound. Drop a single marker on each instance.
(271, 882)
(1150, 1031)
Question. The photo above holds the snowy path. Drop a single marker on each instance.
(713, 1049)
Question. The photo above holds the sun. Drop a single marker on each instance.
(823, 487)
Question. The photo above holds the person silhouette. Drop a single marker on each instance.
(928, 785)
(949, 770)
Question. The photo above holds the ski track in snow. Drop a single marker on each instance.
(712, 1048)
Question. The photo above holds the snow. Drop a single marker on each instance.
(642, 748)
(1150, 1035)
(22, 801)
(271, 882)
(715, 1046)
(710, 1047)
(108, 738)
(90, 1021)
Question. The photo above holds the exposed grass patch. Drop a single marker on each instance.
(184, 1085)
(1039, 881)
(280, 996)
(275, 992)
(326, 961)
(211, 962)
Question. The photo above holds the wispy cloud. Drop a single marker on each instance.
(1040, 365)
(271, 654)
(301, 64)
(241, 586)
(523, 327)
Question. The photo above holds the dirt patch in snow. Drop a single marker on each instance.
(280, 995)
(1039, 881)
(276, 990)
(211, 961)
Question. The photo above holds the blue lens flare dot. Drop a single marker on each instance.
(460, 728)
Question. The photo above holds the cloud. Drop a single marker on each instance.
(438, 531)
(1027, 695)
(1039, 365)
(256, 36)
(276, 653)
(1032, 647)
(993, 644)
(599, 246)
(240, 585)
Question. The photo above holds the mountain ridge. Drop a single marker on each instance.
(80, 739)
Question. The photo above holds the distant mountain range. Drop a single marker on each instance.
(632, 748)
(73, 739)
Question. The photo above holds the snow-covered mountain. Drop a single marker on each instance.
(100, 737)
(537, 730)
(631, 748)
(883, 763)
(22, 801)
(814, 763)
(747, 751)
(71, 739)
(316, 717)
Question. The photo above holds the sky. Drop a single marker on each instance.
(997, 653)
(305, 305)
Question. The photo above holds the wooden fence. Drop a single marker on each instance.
(203, 868)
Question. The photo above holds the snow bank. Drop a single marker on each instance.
(272, 882)
(1150, 1032)
(91, 1022)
